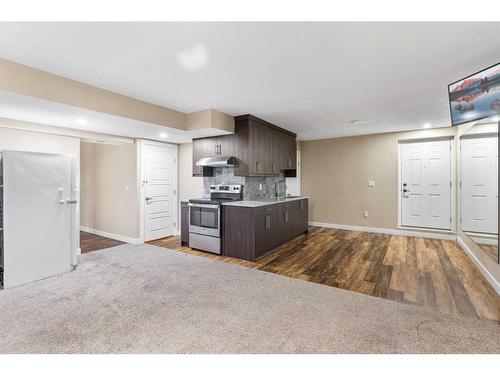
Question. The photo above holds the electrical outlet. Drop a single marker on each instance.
(365, 213)
(371, 183)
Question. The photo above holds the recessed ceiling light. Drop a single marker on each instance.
(427, 126)
(359, 122)
(80, 121)
(193, 58)
(163, 135)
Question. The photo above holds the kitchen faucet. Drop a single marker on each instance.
(277, 188)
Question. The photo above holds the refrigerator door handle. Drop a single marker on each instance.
(61, 196)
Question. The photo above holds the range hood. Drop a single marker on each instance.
(216, 161)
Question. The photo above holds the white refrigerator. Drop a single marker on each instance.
(38, 207)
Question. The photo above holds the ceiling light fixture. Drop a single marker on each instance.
(80, 121)
(163, 135)
(193, 58)
(359, 122)
(427, 126)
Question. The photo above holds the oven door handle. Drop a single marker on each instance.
(202, 205)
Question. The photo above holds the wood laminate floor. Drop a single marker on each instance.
(436, 274)
(92, 242)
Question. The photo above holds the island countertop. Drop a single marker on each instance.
(260, 203)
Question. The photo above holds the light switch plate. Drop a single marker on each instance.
(371, 183)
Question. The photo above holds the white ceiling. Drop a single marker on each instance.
(311, 78)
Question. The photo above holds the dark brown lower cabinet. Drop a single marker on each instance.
(184, 223)
(250, 232)
(265, 229)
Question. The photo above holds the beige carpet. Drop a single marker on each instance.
(145, 299)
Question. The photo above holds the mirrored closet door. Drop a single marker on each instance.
(479, 186)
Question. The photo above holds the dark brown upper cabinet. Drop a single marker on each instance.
(204, 148)
(259, 147)
(264, 149)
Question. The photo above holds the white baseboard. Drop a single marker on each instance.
(118, 237)
(483, 239)
(397, 232)
(491, 279)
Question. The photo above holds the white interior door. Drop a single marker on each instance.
(426, 184)
(38, 216)
(479, 181)
(159, 189)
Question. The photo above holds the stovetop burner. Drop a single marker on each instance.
(220, 194)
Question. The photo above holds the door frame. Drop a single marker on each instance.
(140, 179)
(453, 176)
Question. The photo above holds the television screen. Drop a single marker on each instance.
(475, 97)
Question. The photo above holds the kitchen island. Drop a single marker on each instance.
(251, 228)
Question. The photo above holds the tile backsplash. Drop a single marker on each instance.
(251, 185)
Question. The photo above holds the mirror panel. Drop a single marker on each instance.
(479, 186)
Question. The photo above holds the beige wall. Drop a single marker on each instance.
(210, 118)
(335, 174)
(108, 180)
(189, 186)
(25, 80)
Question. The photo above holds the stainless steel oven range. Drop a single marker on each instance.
(205, 231)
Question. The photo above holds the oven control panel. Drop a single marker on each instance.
(225, 188)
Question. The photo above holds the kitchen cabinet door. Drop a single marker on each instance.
(261, 150)
(197, 155)
(290, 151)
(265, 229)
(278, 157)
(226, 145)
(203, 148)
(285, 231)
(303, 216)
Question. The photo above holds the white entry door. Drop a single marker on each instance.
(426, 184)
(479, 180)
(39, 215)
(159, 189)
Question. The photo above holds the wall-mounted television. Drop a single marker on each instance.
(475, 97)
